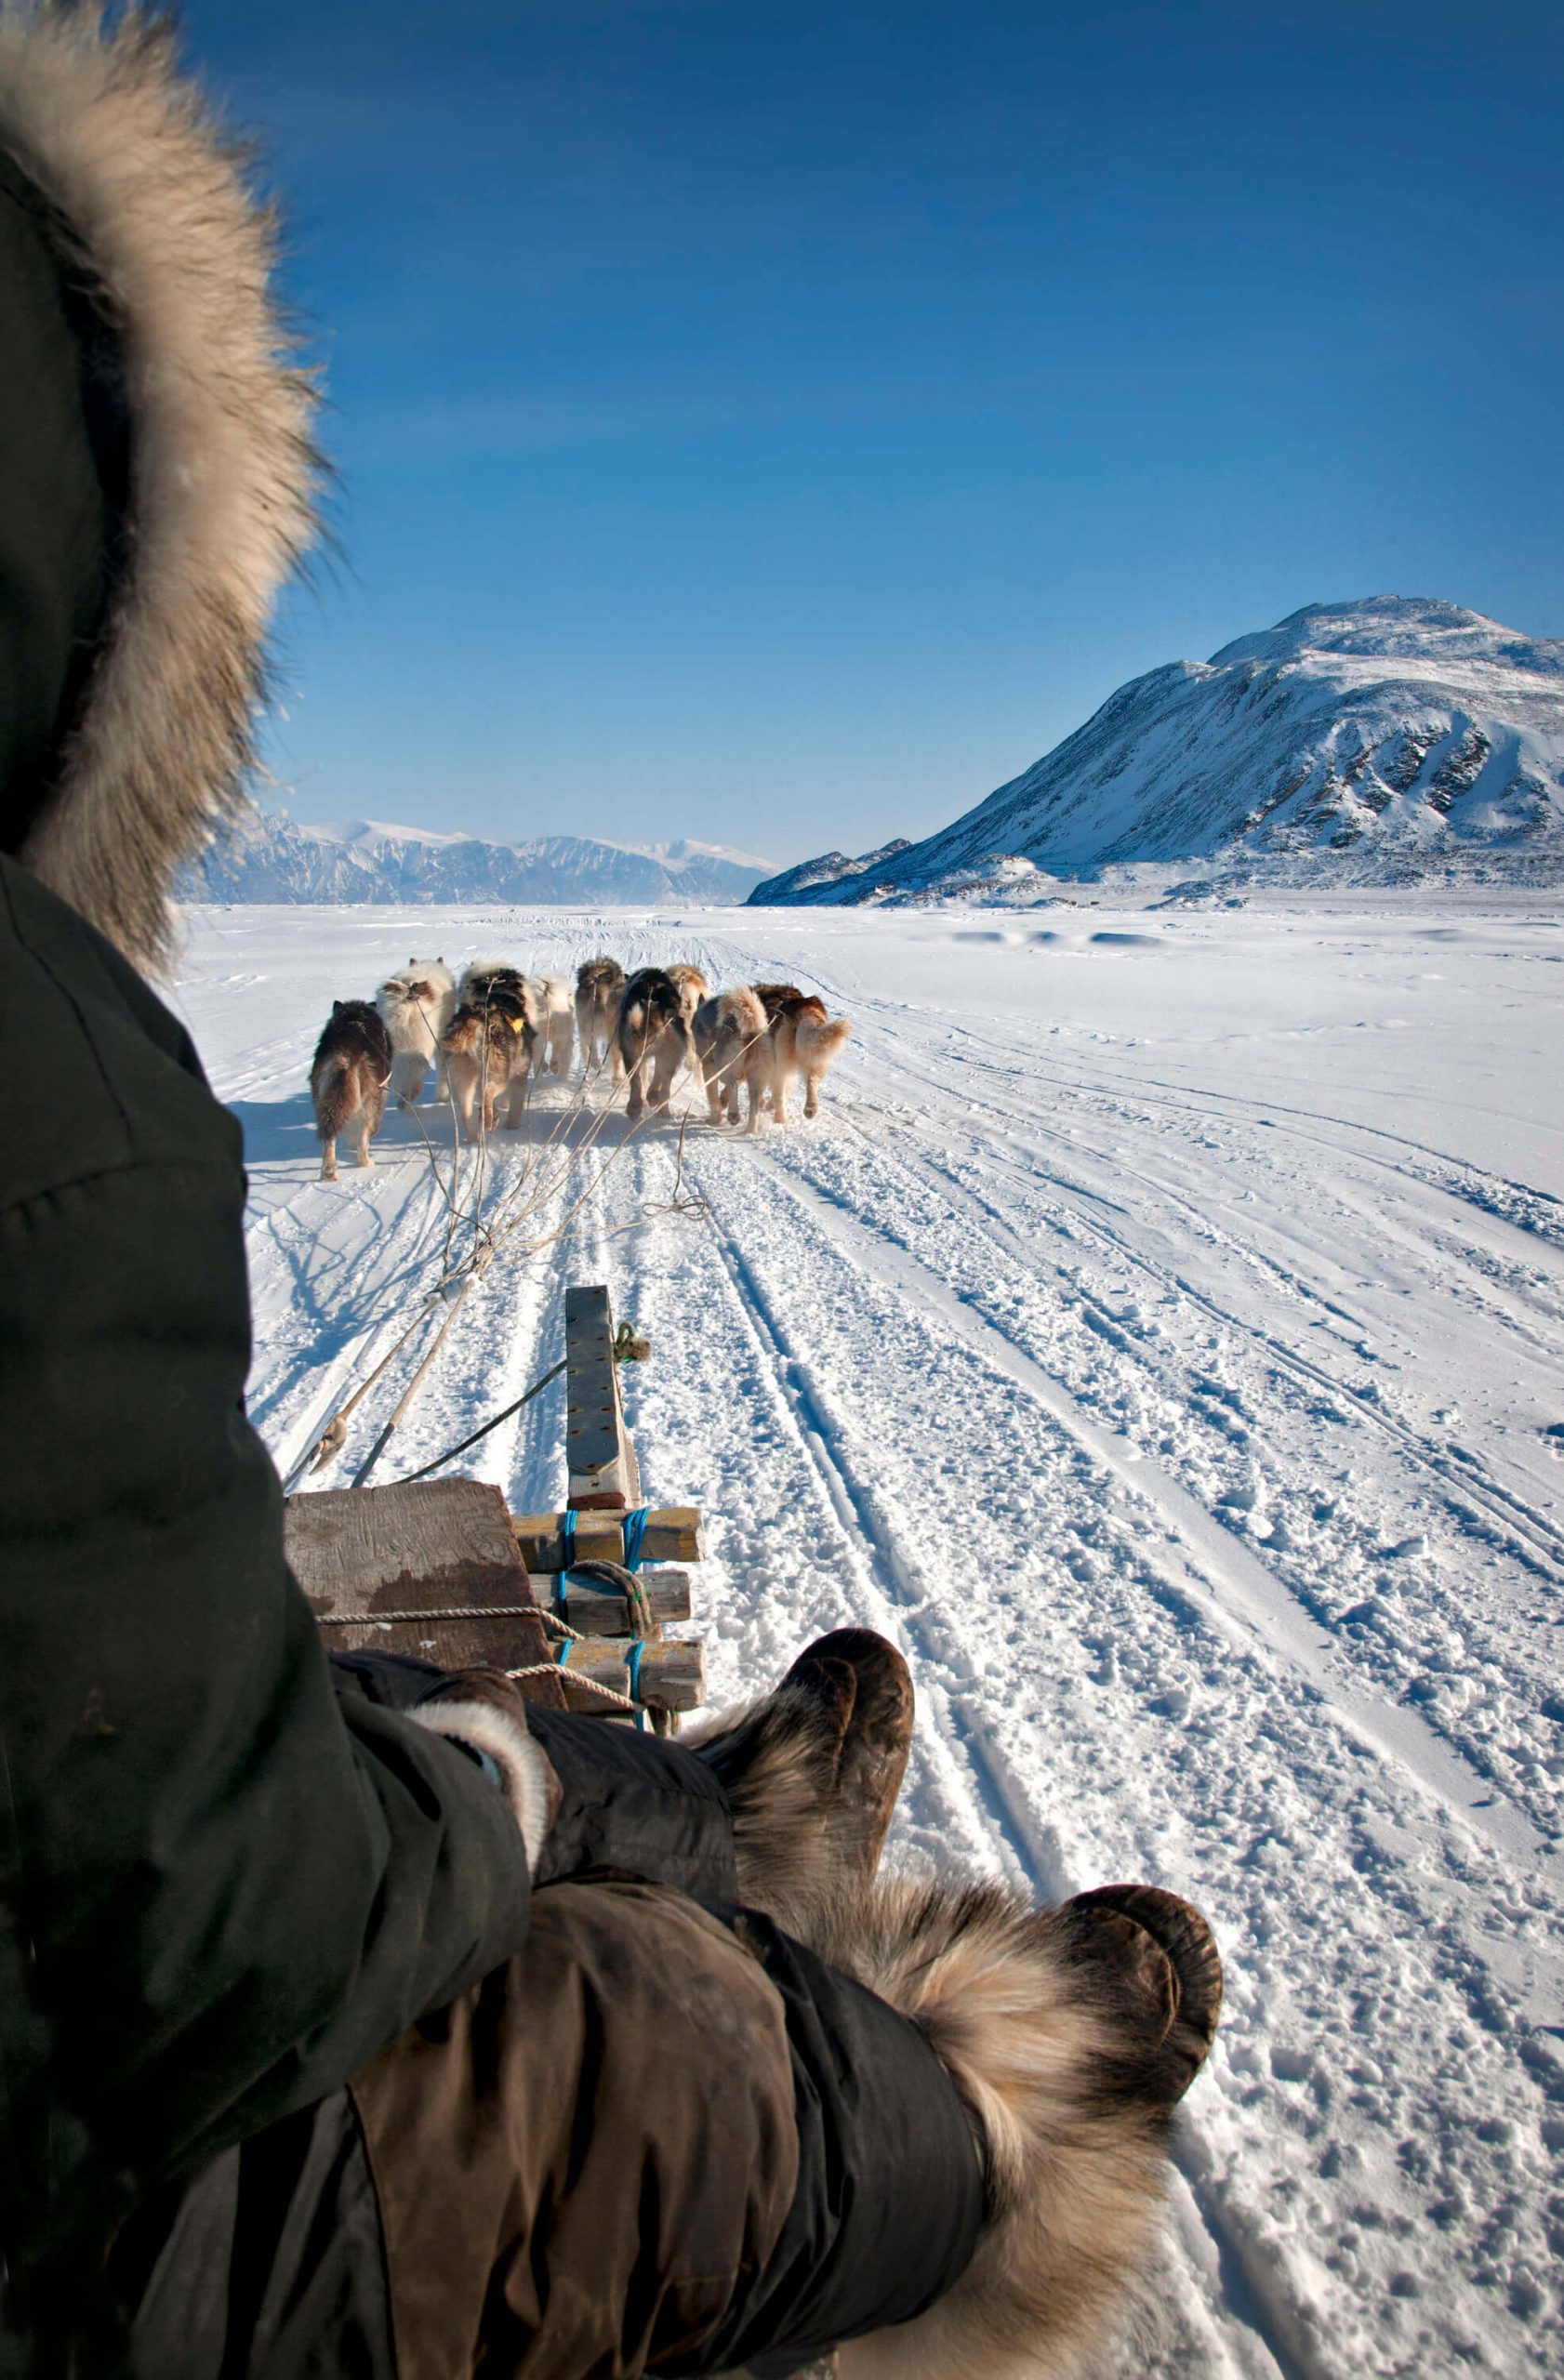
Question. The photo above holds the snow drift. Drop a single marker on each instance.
(1378, 741)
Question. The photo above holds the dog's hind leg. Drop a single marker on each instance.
(328, 1160)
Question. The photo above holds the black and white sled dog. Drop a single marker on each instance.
(348, 1079)
(417, 1004)
(555, 1005)
(600, 989)
(488, 1046)
(654, 1037)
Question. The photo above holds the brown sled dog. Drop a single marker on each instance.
(600, 989)
(348, 1079)
(487, 1046)
(654, 1037)
(733, 1049)
(1071, 2033)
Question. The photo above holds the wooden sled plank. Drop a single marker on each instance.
(600, 1459)
(441, 1555)
(673, 1533)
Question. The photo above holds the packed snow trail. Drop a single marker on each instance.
(1157, 1334)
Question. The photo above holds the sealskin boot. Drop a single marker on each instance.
(812, 1773)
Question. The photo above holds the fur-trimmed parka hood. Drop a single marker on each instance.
(119, 169)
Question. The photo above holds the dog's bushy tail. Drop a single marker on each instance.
(334, 1087)
(820, 1044)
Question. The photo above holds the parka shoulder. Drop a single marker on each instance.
(100, 1076)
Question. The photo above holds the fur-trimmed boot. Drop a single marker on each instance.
(1071, 2033)
(812, 1775)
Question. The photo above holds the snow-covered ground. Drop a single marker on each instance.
(1159, 1334)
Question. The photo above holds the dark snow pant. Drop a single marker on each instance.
(661, 2139)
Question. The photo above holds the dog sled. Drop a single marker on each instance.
(576, 1604)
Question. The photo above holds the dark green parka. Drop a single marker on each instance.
(221, 1889)
(225, 1887)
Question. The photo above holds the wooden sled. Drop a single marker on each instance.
(559, 1601)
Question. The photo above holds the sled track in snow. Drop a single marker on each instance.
(1273, 2349)
(1525, 1533)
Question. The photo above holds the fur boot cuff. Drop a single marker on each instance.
(1069, 2032)
(526, 1776)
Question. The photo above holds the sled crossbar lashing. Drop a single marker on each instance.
(440, 1568)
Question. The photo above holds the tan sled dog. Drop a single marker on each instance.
(488, 1046)
(733, 1049)
(348, 1079)
(600, 989)
(804, 1041)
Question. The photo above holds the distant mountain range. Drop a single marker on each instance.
(1378, 741)
(271, 858)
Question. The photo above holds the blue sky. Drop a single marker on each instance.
(780, 424)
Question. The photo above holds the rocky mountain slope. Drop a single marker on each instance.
(1361, 742)
(276, 859)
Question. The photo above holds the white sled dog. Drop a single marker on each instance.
(733, 1049)
(600, 988)
(488, 1046)
(554, 1003)
(806, 1041)
(417, 1004)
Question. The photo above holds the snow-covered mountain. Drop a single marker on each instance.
(1385, 739)
(271, 858)
(819, 879)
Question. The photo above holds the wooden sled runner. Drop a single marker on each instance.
(561, 1601)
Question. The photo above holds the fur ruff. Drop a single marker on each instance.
(168, 231)
(524, 1768)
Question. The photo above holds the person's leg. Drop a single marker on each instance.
(580, 2163)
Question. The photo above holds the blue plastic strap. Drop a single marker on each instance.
(635, 1529)
(567, 1534)
(564, 1654)
(633, 1665)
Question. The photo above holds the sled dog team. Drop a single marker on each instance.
(488, 1035)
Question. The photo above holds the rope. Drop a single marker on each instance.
(582, 1685)
(635, 1529)
(462, 1611)
(451, 1452)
